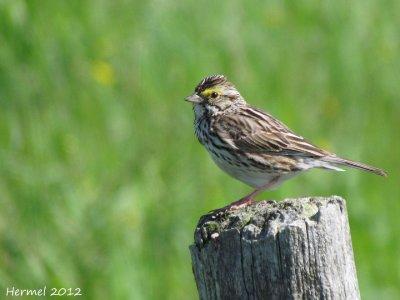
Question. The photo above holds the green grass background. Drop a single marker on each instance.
(101, 178)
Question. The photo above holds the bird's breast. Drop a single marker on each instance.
(201, 130)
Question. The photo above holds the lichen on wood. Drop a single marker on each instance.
(294, 249)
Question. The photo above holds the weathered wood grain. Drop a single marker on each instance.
(294, 249)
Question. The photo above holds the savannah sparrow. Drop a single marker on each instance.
(251, 145)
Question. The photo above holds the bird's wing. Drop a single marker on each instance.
(252, 130)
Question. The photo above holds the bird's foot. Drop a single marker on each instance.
(217, 214)
(243, 202)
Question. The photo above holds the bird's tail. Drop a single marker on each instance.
(354, 164)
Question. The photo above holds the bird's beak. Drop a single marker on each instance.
(194, 98)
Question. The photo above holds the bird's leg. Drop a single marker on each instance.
(248, 199)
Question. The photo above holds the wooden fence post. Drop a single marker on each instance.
(294, 249)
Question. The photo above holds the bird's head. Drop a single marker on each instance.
(214, 94)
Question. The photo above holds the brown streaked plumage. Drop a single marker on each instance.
(251, 145)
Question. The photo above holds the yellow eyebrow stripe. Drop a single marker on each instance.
(207, 92)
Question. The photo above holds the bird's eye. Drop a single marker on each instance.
(214, 95)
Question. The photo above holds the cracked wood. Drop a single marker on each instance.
(294, 249)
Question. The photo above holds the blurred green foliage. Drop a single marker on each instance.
(101, 178)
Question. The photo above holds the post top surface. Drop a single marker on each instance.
(252, 220)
